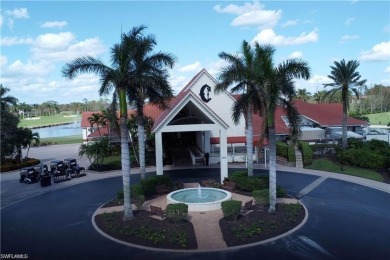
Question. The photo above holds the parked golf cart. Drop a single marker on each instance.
(73, 168)
(28, 175)
(58, 171)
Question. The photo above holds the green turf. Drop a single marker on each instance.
(329, 166)
(48, 120)
(379, 118)
(72, 139)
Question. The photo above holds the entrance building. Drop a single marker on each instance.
(197, 125)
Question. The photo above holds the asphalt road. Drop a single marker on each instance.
(346, 221)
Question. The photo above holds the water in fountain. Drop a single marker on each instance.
(199, 192)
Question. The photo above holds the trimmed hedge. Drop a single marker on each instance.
(248, 183)
(176, 212)
(307, 153)
(261, 196)
(281, 149)
(291, 153)
(149, 184)
(136, 190)
(365, 158)
(12, 166)
(231, 209)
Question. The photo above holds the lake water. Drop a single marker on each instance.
(58, 131)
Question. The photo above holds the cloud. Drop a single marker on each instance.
(319, 79)
(296, 55)
(3, 62)
(251, 14)
(380, 52)
(387, 70)
(214, 68)
(347, 37)
(268, 36)
(54, 24)
(10, 41)
(177, 82)
(11, 15)
(191, 67)
(40, 68)
(349, 21)
(290, 23)
(18, 13)
(61, 47)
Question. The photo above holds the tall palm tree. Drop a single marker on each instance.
(345, 78)
(242, 75)
(149, 81)
(277, 84)
(319, 96)
(117, 77)
(6, 101)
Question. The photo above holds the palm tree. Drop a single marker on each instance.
(149, 81)
(95, 119)
(242, 73)
(319, 96)
(117, 77)
(277, 84)
(32, 136)
(303, 94)
(6, 101)
(345, 78)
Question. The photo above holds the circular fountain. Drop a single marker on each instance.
(199, 199)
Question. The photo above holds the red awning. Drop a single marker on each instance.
(238, 140)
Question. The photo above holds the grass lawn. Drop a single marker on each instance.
(379, 118)
(48, 120)
(327, 165)
(72, 139)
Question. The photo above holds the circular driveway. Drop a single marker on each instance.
(346, 221)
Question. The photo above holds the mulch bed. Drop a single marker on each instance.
(259, 225)
(147, 231)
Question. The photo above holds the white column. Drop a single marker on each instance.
(159, 153)
(223, 154)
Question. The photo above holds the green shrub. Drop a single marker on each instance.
(136, 190)
(281, 149)
(280, 192)
(325, 149)
(120, 195)
(365, 158)
(307, 153)
(291, 153)
(261, 196)
(248, 183)
(231, 209)
(139, 200)
(176, 212)
(149, 184)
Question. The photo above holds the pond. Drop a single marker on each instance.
(59, 131)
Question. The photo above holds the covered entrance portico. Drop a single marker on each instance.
(190, 114)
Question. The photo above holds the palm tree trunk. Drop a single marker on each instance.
(345, 114)
(272, 169)
(141, 147)
(249, 141)
(125, 156)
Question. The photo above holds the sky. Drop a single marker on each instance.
(39, 37)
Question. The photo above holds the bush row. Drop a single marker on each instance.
(248, 183)
(176, 212)
(365, 158)
(149, 184)
(307, 153)
(12, 166)
(231, 209)
(286, 151)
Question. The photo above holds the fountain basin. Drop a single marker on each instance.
(199, 199)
